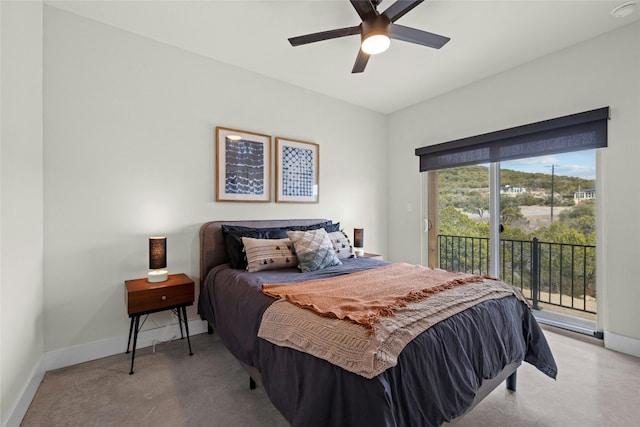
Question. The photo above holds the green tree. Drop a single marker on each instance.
(512, 216)
(475, 203)
(581, 217)
(560, 232)
(455, 223)
(467, 253)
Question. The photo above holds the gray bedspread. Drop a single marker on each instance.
(436, 378)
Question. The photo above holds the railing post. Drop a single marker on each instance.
(535, 269)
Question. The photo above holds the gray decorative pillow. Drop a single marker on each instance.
(269, 254)
(314, 249)
(341, 244)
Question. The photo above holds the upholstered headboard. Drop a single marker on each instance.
(212, 247)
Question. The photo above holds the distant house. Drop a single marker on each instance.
(582, 195)
(507, 189)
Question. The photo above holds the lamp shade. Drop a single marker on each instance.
(358, 237)
(157, 253)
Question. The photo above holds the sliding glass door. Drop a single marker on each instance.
(542, 237)
(552, 261)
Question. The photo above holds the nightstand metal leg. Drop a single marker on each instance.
(180, 322)
(186, 327)
(130, 330)
(135, 341)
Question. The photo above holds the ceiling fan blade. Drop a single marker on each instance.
(400, 8)
(365, 8)
(412, 35)
(324, 35)
(361, 62)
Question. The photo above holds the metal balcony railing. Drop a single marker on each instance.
(554, 273)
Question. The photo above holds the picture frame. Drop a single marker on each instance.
(243, 166)
(297, 171)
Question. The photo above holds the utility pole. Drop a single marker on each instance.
(552, 176)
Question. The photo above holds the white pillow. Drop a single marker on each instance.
(341, 244)
(269, 254)
(314, 249)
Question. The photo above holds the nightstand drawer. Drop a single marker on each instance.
(144, 297)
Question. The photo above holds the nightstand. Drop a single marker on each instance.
(143, 298)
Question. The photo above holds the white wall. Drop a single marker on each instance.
(129, 153)
(597, 73)
(21, 208)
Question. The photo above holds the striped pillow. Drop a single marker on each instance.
(269, 254)
(341, 244)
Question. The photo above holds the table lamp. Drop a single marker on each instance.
(358, 241)
(157, 259)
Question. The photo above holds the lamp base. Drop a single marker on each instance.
(359, 252)
(157, 276)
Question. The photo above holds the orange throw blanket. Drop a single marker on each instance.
(366, 296)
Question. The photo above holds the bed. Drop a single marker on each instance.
(439, 377)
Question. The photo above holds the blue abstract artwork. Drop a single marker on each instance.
(297, 171)
(244, 167)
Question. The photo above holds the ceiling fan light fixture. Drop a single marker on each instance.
(375, 35)
(376, 43)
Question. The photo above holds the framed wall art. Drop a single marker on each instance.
(297, 171)
(243, 162)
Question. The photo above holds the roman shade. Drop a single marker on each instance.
(581, 131)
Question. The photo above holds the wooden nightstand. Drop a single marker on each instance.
(144, 298)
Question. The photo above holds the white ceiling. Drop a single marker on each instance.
(487, 37)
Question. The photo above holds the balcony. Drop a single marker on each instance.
(556, 277)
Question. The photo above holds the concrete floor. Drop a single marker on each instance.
(595, 387)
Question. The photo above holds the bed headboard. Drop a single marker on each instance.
(212, 247)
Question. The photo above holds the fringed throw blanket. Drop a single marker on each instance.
(366, 296)
(387, 308)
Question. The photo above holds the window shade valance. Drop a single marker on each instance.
(581, 131)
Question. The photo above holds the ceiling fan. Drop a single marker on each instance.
(376, 30)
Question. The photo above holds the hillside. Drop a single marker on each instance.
(477, 177)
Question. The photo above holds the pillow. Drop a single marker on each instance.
(269, 254)
(327, 225)
(330, 228)
(314, 249)
(233, 235)
(341, 244)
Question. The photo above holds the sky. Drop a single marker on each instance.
(581, 164)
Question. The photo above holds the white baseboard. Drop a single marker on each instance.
(20, 408)
(64, 357)
(622, 344)
(61, 358)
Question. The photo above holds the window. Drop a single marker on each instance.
(468, 179)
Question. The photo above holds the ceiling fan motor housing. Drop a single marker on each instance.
(378, 25)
